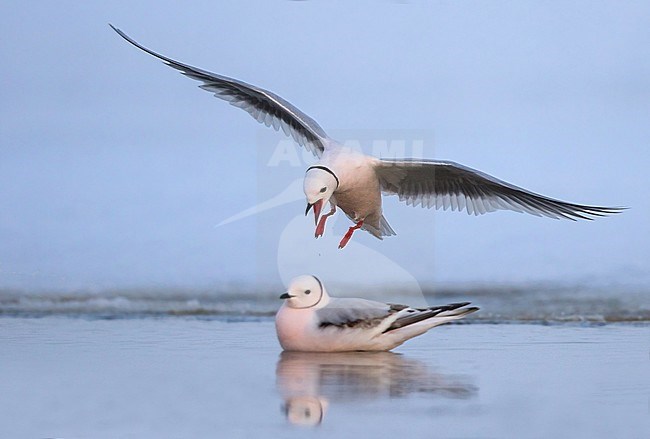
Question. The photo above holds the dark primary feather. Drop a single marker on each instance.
(444, 184)
(361, 313)
(426, 313)
(265, 106)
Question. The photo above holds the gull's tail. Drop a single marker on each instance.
(434, 316)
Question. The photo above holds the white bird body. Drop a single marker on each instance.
(298, 330)
(355, 182)
(358, 193)
(312, 321)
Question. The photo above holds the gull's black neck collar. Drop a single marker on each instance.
(328, 170)
(320, 297)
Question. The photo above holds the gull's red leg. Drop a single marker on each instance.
(320, 228)
(348, 235)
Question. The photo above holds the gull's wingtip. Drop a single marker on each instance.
(120, 32)
(130, 40)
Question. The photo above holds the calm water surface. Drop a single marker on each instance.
(186, 377)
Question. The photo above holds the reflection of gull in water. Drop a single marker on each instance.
(309, 382)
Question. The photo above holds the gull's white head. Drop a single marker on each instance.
(319, 185)
(306, 292)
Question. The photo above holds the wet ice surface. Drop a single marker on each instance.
(186, 377)
(532, 302)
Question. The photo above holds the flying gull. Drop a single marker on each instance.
(354, 182)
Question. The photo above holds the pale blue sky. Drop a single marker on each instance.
(114, 169)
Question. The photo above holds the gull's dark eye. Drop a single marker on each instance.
(307, 291)
(323, 189)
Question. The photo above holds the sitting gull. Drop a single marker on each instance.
(312, 321)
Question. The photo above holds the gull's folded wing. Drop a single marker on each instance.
(366, 314)
(355, 313)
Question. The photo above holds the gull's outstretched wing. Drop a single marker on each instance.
(367, 314)
(443, 184)
(265, 107)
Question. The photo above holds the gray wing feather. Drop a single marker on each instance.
(265, 106)
(355, 313)
(448, 185)
(361, 313)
